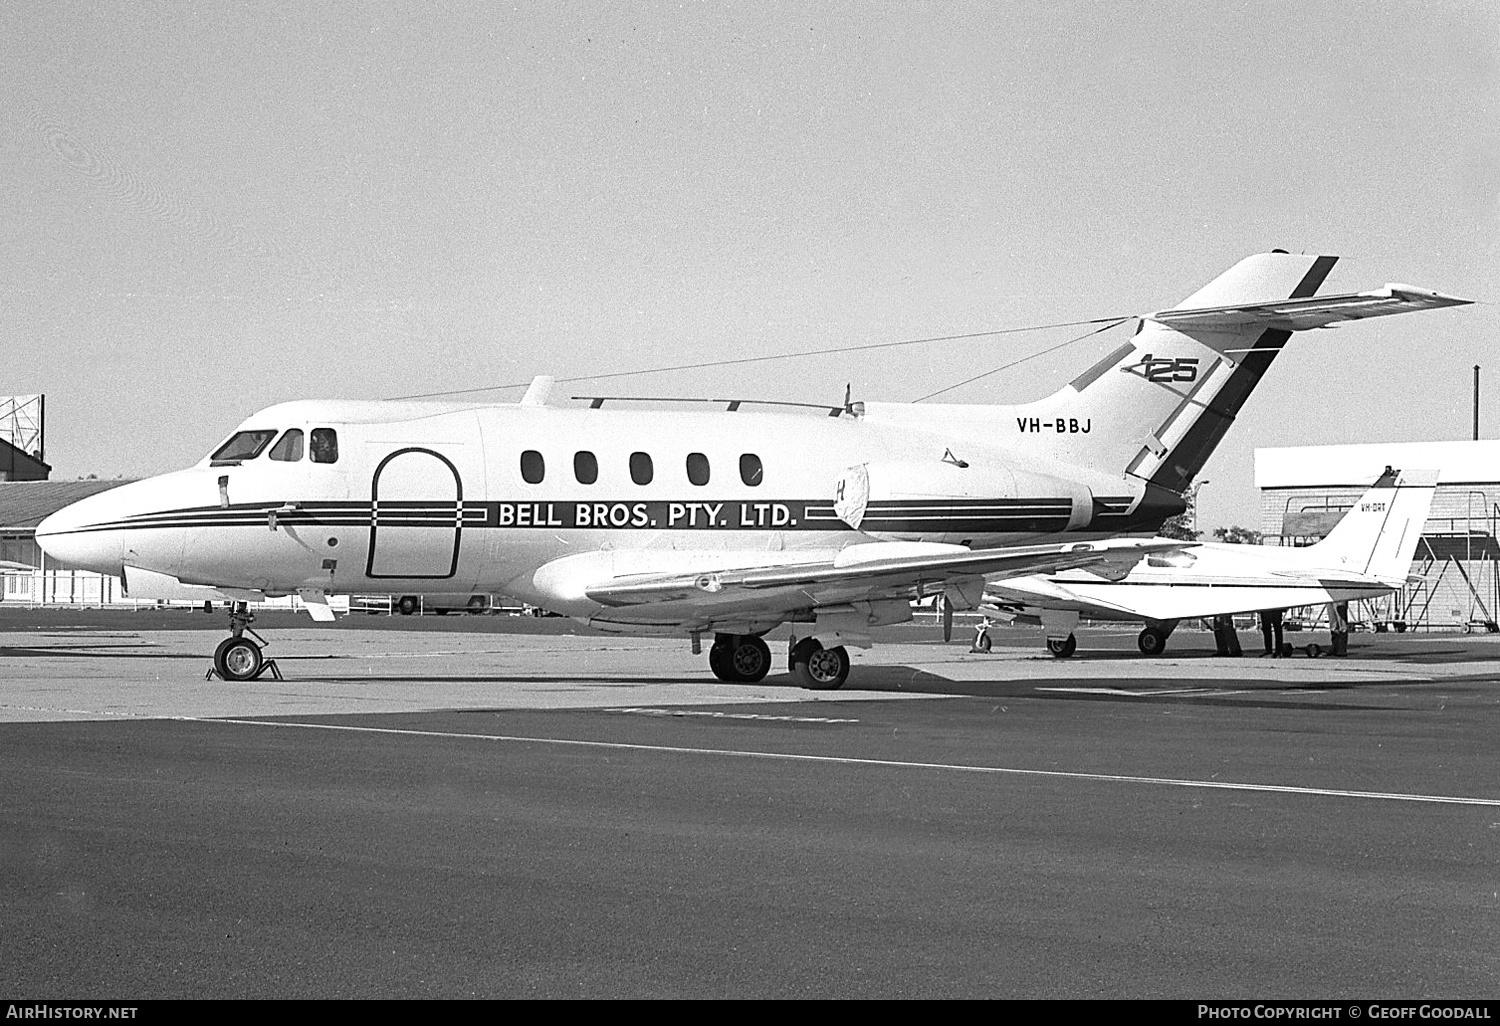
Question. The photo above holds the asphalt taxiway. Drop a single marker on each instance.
(479, 810)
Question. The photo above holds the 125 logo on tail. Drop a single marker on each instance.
(1165, 370)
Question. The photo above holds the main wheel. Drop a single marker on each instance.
(821, 669)
(750, 659)
(983, 643)
(718, 660)
(237, 659)
(407, 605)
(478, 604)
(1062, 647)
(1151, 642)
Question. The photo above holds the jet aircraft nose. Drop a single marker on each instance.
(80, 535)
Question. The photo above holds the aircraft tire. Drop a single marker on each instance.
(406, 605)
(1313, 651)
(718, 660)
(237, 659)
(983, 643)
(1151, 642)
(819, 668)
(1062, 648)
(749, 659)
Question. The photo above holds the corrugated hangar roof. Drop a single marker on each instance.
(24, 504)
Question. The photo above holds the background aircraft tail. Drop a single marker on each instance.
(1379, 534)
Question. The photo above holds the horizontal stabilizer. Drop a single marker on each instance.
(1316, 312)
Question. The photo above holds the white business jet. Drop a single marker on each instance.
(1367, 554)
(721, 523)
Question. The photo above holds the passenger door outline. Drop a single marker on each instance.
(418, 520)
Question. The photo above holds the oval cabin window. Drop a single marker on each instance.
(640, 468)
(585, 467)
(697, 468)
(533, 467)
(750, 469)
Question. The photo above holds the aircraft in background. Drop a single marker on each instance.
(1367, 554)
(718, 523)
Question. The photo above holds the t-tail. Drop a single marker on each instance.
(1378, 536)
(1154, 410)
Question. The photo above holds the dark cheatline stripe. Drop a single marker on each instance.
(907, 515)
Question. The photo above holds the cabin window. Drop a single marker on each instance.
(325, 445)
(244, 445)
(585, 467)
(288, 449)
(533, 467)
(750, 469)
(697, 468)
(640, 468)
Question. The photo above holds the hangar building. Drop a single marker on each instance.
(28, 577)
(1304, 490)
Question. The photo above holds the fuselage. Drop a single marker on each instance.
(1206, 580)
(346, 497)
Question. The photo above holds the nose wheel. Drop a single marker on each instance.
(237, 657)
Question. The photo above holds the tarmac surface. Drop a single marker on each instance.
(506, 807)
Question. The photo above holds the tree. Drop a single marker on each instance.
(1183, 527)
(1237, 535)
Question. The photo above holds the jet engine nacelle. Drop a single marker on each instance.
(944, 500)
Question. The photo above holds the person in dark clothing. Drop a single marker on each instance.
(1270, 629)
(1338, 627)
(1226, 641)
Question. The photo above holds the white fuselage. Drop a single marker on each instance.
(446, 498)
(1206, 580)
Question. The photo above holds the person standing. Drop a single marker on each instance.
(1338, 627)
(1270, 629)
(1226, 641)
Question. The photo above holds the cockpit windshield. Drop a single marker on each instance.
(245, 445)
(289, 448)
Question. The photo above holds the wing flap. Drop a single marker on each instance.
(1317, 312)
(870, 570)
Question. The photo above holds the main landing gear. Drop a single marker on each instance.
(1062, 647)
(739, 658)
(745, 659)
(818, 668)
(1153, 640)
(237, 657)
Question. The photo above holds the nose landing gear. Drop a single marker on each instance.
(237, 657)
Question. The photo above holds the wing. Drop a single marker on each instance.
(1318, 312)
(870, 572)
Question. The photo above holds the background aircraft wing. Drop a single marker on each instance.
(874, 570)
(1317, 312)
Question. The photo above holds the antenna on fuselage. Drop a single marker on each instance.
(538, 391)
(852, 408)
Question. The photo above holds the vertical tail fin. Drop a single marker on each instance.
(1159, 404)
(1379, 534)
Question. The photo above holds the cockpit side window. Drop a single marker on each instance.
(288, 449)
(325, 445)
(244, 445)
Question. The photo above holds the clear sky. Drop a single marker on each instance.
(208, 208)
